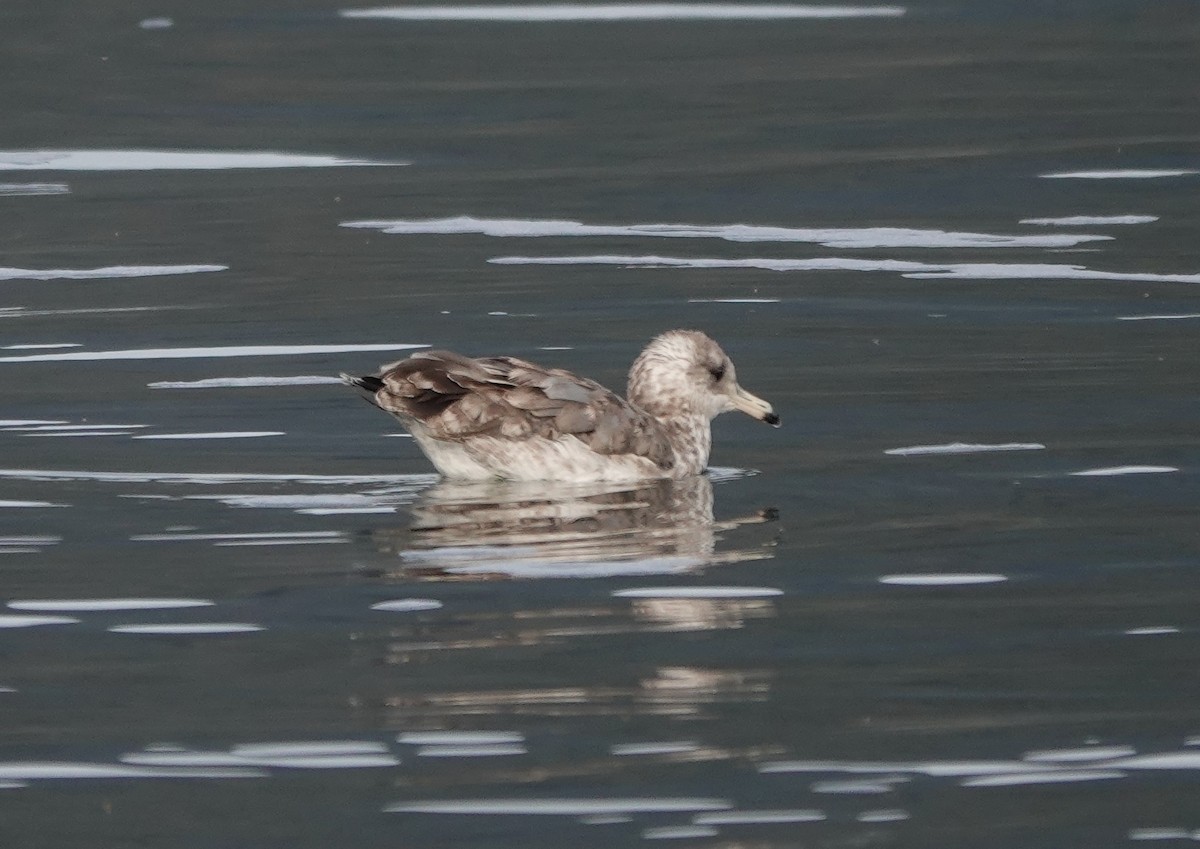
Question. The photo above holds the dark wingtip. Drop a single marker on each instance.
(772, 420)
(367, 384)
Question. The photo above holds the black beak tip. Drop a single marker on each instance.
(772, 419)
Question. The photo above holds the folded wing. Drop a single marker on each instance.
(457, 397)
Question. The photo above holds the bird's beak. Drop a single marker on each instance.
(754, 406)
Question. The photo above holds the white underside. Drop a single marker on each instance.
(533, 459)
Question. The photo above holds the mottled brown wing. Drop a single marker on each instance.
(456, 397)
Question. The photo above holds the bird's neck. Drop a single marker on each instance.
(690, 436)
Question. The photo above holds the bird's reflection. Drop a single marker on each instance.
(523, 530)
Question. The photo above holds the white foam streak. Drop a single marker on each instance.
(8, 620)
(205, 353)
(70, 427)
(678, 832)
(951, 769)
(265, 536)
(1120, 174)
(1166, 760)
(37, 770)
(1089, 220)
(763, 817)
(733, 300)
(1124, 470)
(559, 807)
(1056, 777)
(1159, 834)
(105, 272)
(19, 189)
(622, 12)
(94, 605)
(304, 748)
(963, 448)
(1085, 753)
(1160, 317)
(22, 504)
(506, 750)
(223, 434)
(216, 478)
(188, 629)
(461, 738)
(40, 347)
(244, 382)
(698, 592)
(315, 504)
(833, 237)
(664, 748)
(155, 160)
(914, 270)
(942, 580)
(80, 433)
(407, 605)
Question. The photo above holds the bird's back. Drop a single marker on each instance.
(502, 412)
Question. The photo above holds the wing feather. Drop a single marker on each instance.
(456, 397)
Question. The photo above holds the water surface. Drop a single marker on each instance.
(952, 602)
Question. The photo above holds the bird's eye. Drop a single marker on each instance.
(717, 372)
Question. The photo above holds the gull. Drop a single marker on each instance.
(509, 419)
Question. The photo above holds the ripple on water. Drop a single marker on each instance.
(92, 605)
(210, 478)
(698, 592)
(218, 351)
(657, 748)
(1120, 174)
(245, 382)
(1089, 220)
(1062, 776)
(154, 160)
(460, 738)
(37, 770)
(560, 807)
(831, 237)
(249, 539)
(222, 434)
(1110, 471)
(19, 189)
(942, 580)
(1160, 834)
(906, 268)
(678, 832)
(188, 628)
(405, 605)
(963, 448)
(760, 817)
(623, 12)
(107, 271)
(492, 751)
(10, 620)
(1082, 753)
(319, 754)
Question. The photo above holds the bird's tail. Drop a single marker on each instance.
(368, 384)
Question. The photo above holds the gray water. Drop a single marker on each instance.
(952, 602)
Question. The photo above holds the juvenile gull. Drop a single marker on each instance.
(501, 417)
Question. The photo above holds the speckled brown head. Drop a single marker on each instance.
(686, 372)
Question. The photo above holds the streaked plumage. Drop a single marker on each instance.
(502, 417)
